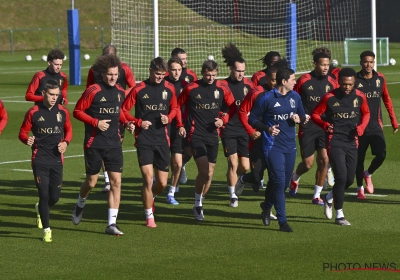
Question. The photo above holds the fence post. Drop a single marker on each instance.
(58, 38)
(11, 41)
(188, 35)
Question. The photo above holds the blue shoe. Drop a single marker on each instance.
(317, 201)
(171, 200)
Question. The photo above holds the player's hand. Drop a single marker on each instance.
(30, 140)
(328, 127)
(62, 147)
(130, 126)
(255, 135)
(182, 132)
(395, 130)
(103, 125)
(359, 131)
(274, 130)
(218, 122)
(307, 119)
(145, 124)
(164, 119)
(295, 118)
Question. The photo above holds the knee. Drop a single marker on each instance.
(381, 155)
(53, 201)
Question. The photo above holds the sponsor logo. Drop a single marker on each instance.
(158, 107)
(207, 106)
(145, 96)
(310, 88)
(109, 110)
(49, 130)
(373, 94)
(277, 105)
(336, 104)
(198, 96)
(41, 119)
(313, 98)
(360, 85)
(345, 115)
(283, 117)
(103, 99)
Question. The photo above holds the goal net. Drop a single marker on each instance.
(203, 27)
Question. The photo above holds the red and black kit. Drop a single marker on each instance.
(36, 86)
(3, 117)
(259, 78)
(311, 89)
(349, 116)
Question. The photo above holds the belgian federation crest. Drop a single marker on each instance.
(119, 97)
(59, 117)
(164, 95)
(378, 83)
(187, 79)
(245, 91)
(61, 82)
(292, 103)
(216, 94)
(355, 102)
(327, 88)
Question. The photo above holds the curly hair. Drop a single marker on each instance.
(231, 54)
(104, 62)
(55, 54)
(268, 58)
(109, 49)
(324, 50)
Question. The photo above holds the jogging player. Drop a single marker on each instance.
(52, 132)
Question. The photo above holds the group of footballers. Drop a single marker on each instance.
(177, 117)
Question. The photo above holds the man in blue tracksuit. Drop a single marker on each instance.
(275, 113)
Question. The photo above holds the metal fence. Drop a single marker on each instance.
(32, 39)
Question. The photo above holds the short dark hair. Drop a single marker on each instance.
(268, 58)
(109, 49)
(159, 64)
(283, 73)
(177, 51)
(324, 50)
(104, 62)
(366, 53)
(50, 84)
(174, 59)
(320, 55)
(274, 68)
(231, 54)
(55, 54)
(347, 72)
(209, 65)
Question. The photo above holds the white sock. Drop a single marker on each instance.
(367, 173)
(46, 229)
(360, 188)
(317, 191)
(81, 201)
(232, 192)
(171, 191)
(198, 201)
(339, 214)
(329, 197)
(149, 213)
(112, 216)
(295, 177)
(106, 179)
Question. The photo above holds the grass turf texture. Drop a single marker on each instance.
(229, 244)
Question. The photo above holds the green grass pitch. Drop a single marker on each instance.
(229, 244)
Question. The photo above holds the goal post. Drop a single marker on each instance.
(353, 47)
(204, 27)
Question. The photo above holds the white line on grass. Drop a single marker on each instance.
(75, 156)
(22, 170)
(367, 194)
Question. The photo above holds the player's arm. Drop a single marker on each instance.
(3, 117)
(126, 107)
(389, 105)
(33, 86)
(67, 128)
(64, 89)
(26, 128)
(256, 78)
(365, 115)
(90, 78)
(229, 100)
(84, 103)
(173, 105)
(256, 114)
(129, 78)
(319, 110)
(245, 108)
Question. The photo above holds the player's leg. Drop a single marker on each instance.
(322, 169)
(230, 151)
(176, 166)
(363, 143)
(41, 175)
(93, 160)
(378, 149)
(307, 149)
